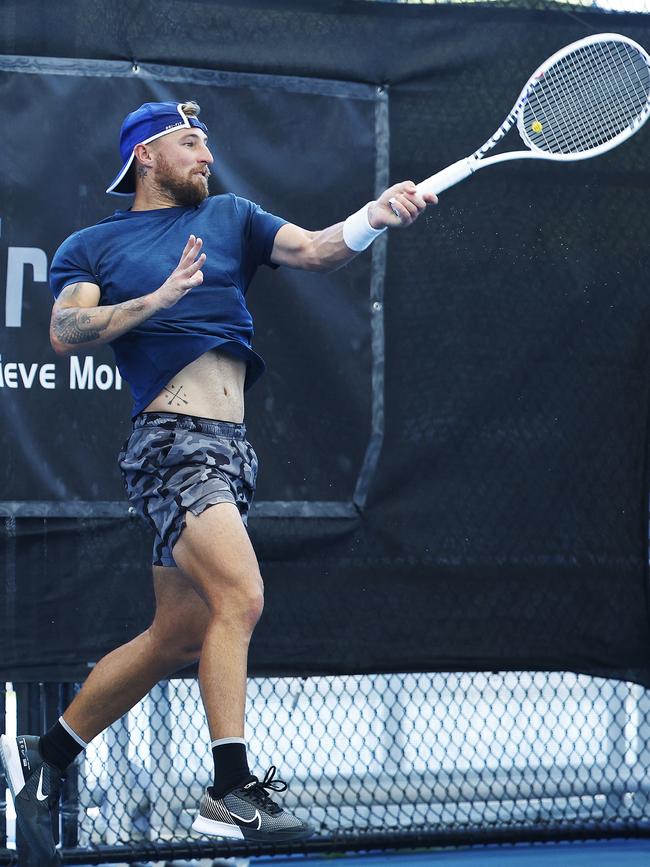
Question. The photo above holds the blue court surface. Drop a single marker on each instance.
(606, 853)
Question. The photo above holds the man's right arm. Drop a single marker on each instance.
(78, 322)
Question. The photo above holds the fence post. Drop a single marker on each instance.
(70, 791)
(3, 783)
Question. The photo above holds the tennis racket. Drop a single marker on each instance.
(583, 101)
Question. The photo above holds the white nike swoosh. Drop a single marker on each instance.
(256, 818)
(39, 791)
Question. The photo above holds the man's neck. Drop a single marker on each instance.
(152, 199)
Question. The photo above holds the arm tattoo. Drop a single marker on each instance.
(79, 325)
(175, 395)
(76, 326)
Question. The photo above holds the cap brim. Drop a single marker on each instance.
(122, 184)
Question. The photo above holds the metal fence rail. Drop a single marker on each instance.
(587, 5)
(382, 760)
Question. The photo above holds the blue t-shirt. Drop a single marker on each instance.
(132, 253)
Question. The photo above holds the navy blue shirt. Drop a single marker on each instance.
(132, 253)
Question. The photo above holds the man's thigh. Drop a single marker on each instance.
(215, 552)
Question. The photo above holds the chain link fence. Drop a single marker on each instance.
(426, 757)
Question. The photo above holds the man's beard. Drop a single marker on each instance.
(183, 190)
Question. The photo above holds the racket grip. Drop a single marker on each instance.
(447, 177)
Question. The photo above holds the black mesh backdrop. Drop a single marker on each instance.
(506, 525)
(256, 122)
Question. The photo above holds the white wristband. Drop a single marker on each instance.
(357, 231)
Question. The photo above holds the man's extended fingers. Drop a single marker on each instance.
(192, 247)
(188, 246)
(192, 267)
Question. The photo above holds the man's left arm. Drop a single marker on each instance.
(330, 248)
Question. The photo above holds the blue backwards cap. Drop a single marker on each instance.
(152, 120)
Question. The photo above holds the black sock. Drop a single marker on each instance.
(230, 765)
(58, 747)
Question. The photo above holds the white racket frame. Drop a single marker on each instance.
(462, 169)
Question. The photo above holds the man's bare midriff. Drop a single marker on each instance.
(210, 387)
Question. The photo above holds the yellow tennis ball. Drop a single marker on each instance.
(536, 127)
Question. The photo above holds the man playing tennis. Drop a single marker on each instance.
(164, 284)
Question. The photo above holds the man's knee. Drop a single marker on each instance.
(255, 605)
(242, 601)
(179, 647)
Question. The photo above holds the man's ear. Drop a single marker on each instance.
(143, 155)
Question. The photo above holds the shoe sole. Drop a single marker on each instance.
(233, 832)
(12, 764)
(216, 829)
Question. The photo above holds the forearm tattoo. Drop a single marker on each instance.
(76, 326)
(72, 325)
(176, 394)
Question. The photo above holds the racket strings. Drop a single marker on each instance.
(587, 98)
(592, 118)
(612, 103)
(597, 105)
(592, 109)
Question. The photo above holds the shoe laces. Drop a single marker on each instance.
(256, 790)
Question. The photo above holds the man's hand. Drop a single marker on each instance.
(185, 276)
(399, 205)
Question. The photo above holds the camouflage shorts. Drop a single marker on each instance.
(172, 463)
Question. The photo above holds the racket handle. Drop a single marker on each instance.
(447, 177)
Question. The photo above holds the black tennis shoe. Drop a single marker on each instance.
(35, 786)
(248, 813)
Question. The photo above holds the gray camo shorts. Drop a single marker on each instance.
(172, 463)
